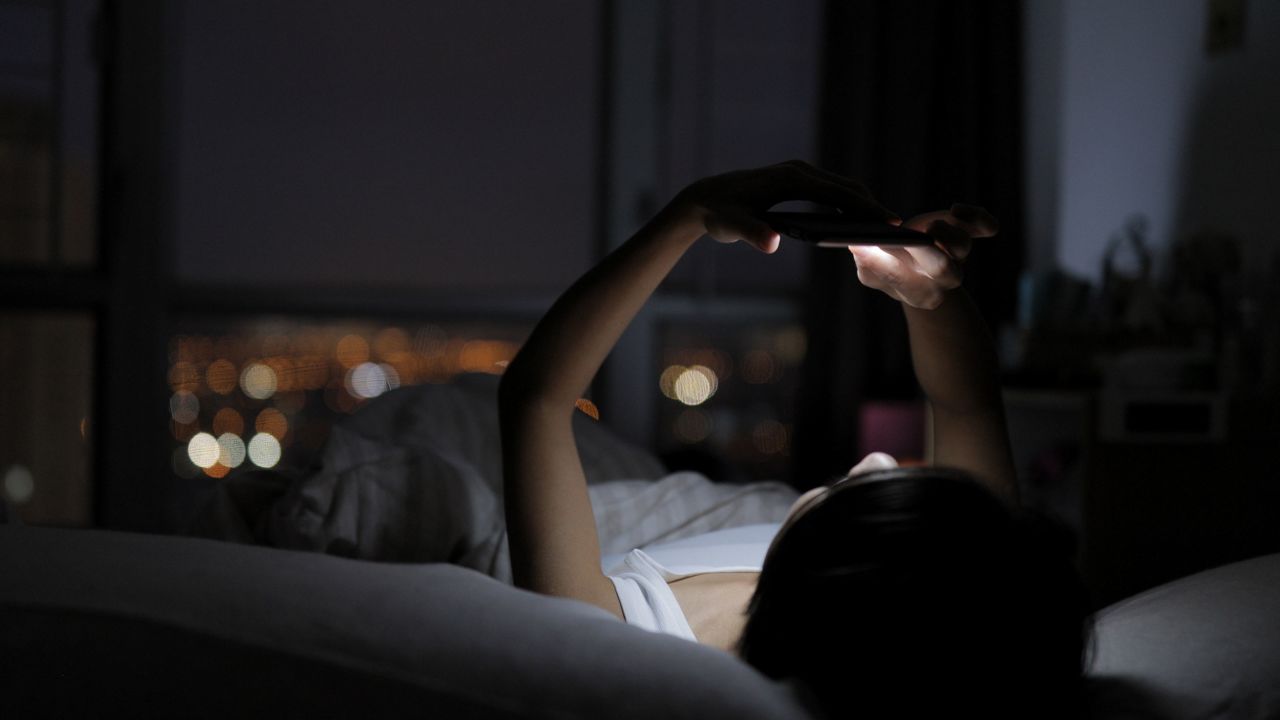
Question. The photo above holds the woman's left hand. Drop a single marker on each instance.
(920, 275)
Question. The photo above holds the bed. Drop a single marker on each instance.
(325, 596)
(97, 623)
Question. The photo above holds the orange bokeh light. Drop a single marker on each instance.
(758, 367)
(484, 356)
(352, 350)
(769, 437)
(405, 365)
(228, 420)
(693, 425)
(273, 422)
(217, 470)
(221, 376)
(310, 372)
(286, 375)
(184, 376)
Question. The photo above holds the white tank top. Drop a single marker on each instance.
(641, 577)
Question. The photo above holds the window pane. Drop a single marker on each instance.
(26, 131)
(48, 133)
(46, 383)
(389, 159)
(78, 244)
(264, 394)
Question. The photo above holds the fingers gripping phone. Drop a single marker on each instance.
(835, 230)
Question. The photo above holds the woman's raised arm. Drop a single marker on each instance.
(951, 348)
(551, 528)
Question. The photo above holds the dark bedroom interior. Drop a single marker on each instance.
(263, 265)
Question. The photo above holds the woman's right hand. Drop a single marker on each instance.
(728, 207)
(919, 276)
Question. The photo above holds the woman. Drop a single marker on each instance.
(890, 590)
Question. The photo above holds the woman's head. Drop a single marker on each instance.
(906, 590)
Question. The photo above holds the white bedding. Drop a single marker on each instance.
(416, 477)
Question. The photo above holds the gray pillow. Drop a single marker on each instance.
(415, 476)
(393, 504)
(1206, 646)
(100, 624)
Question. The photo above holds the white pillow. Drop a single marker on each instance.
(1205, 646)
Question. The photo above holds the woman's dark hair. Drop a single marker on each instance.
(917, 592)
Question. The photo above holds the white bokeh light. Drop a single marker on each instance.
(264, 450)
(693, 387)
(230, 450)
(184, 407)
(667, 381)
(258, 381)
(19, 483)
(712, 379)
(203, 449)
(367, 380)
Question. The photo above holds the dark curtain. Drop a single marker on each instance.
(922, 101)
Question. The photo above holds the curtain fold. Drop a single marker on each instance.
(922, 101)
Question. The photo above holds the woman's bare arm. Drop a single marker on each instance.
(551, 528)
(550, 525)
(951, 348)
(955, 364)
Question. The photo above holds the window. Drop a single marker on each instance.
(50, 297)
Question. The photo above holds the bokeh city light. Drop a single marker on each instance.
(732, 389)
(695, 385)
(272, 422)
(184, 407)
(693, 426)
(221, 376)
(264, 450)
(19, 484)
(203, 450)
(267, 395)
(256, 394)
(258, 381)
(231, 450)
(227, 420)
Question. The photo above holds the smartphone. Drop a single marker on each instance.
(834, 230)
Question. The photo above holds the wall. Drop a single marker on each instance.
(1127, 113)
